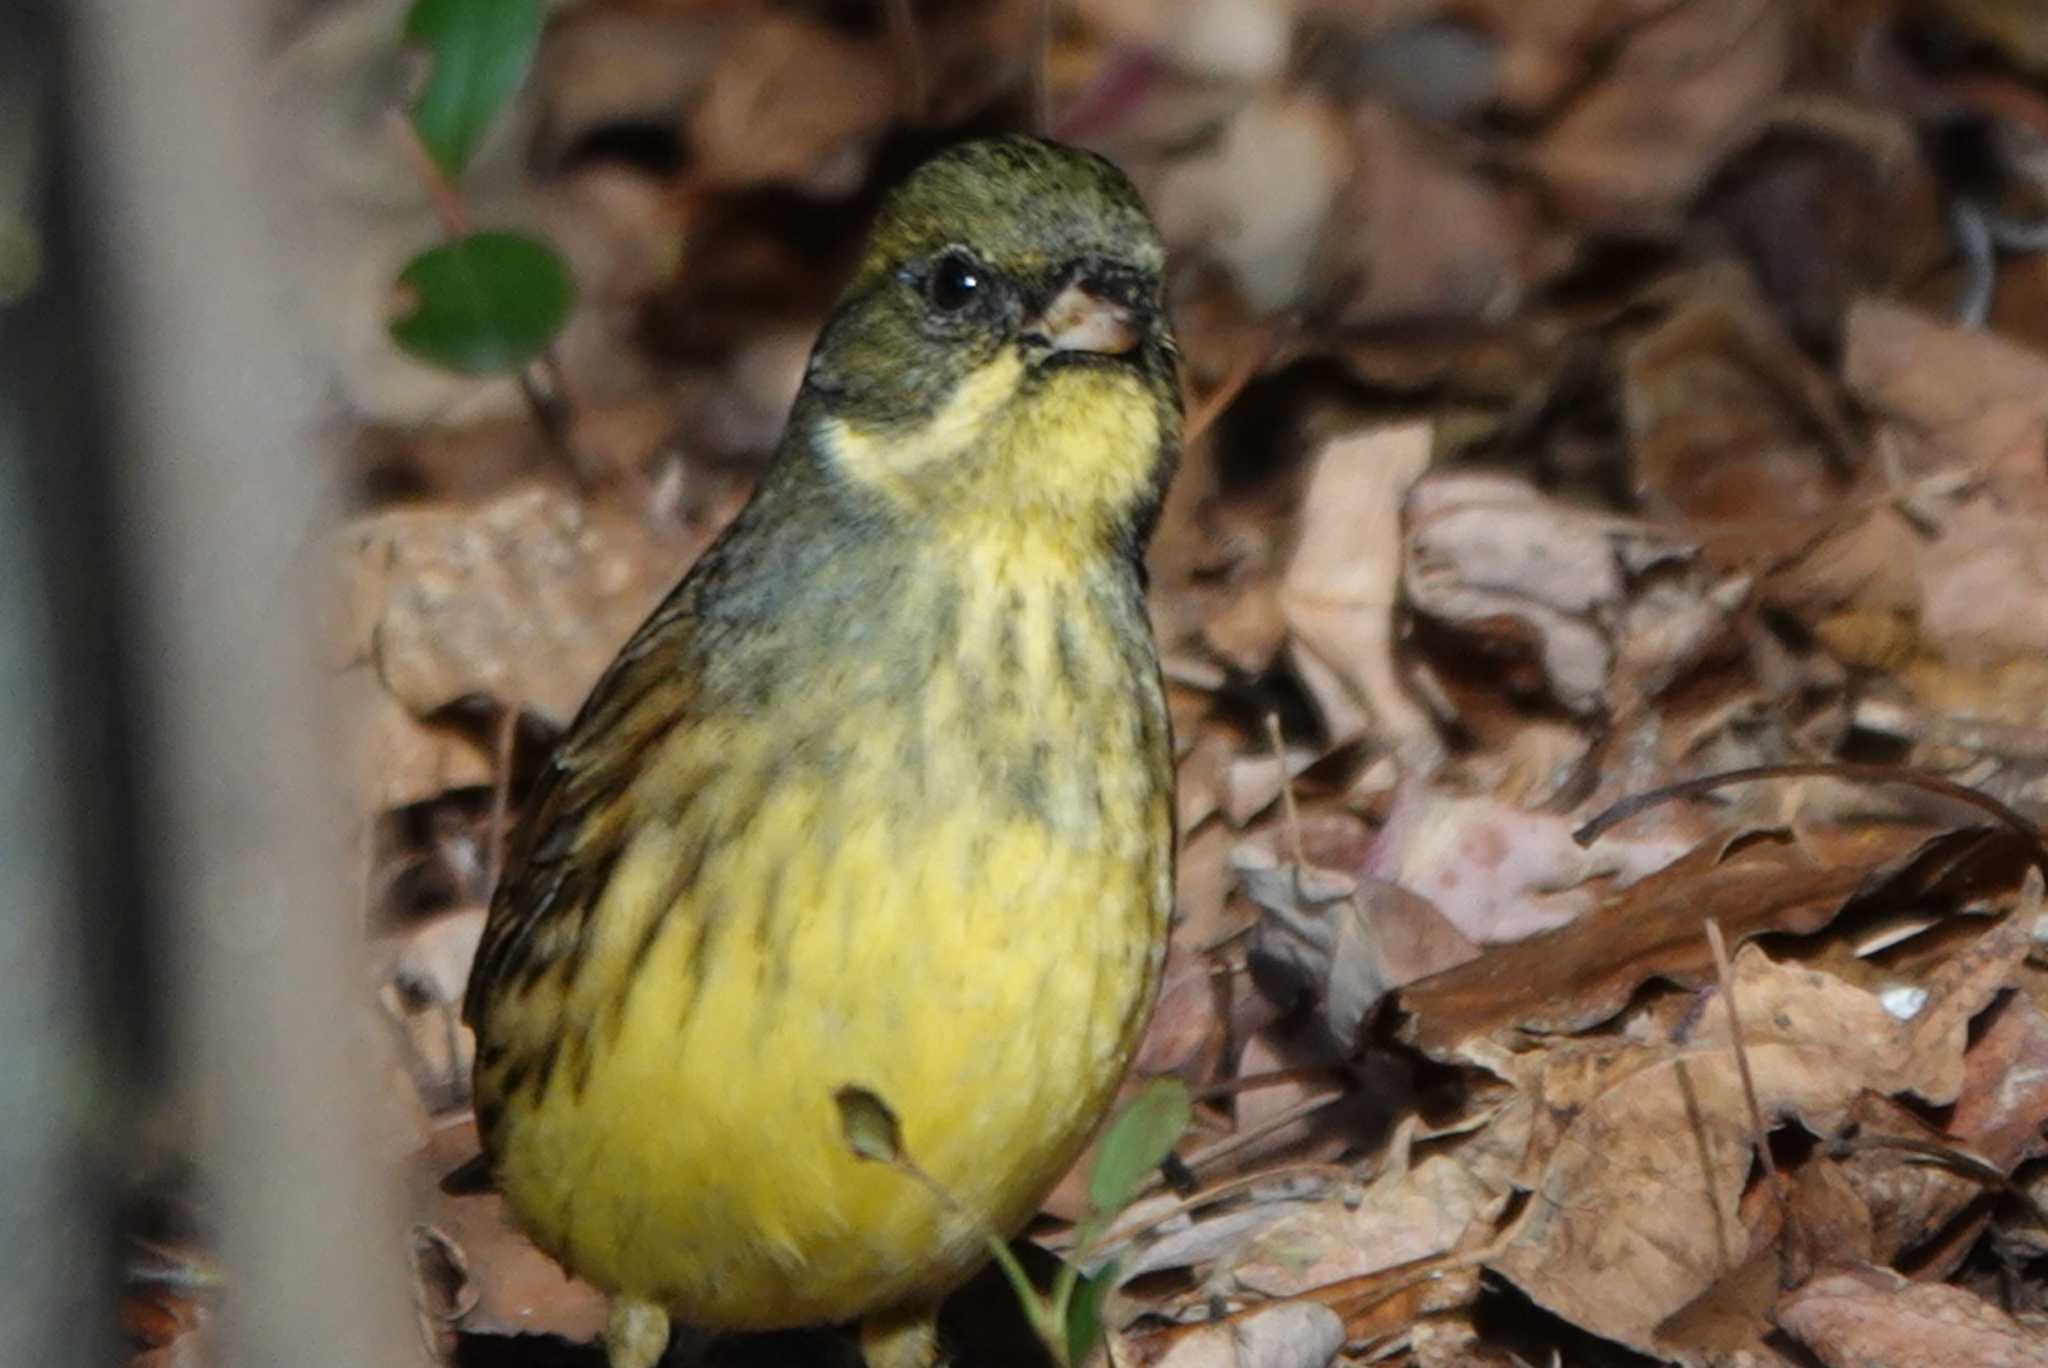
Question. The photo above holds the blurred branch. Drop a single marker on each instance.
(56, 1286)
(218, 485)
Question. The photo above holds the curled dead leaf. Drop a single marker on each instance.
(1490, 556)
(1340, 941)
(1339, 593)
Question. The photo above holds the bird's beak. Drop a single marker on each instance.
(1080, 320)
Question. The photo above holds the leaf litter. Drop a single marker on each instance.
(1590, 403)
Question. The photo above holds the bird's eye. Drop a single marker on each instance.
(954, 282)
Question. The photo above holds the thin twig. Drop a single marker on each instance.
(1271, 1078)
(1217, 400)
(1231, 1144)
(1343, 1296)
(1855, 774)
(449, 205)
(1726, 973)
(1222, 940)
(1144, 1223)
(1290, 815)
(1955, 1160)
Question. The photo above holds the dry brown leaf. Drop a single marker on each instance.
(1833, 202)
(1236, 40)
(1278, 1110)
(1500, 873)
(1487, 549)
(1546, 47)
(429, 961)
(1644, 1149)
(420, 973)
(524, 600)
(1403, 1216)
(1873, 1318)
(1339, 941)
(2017, 29)
(1648, 1148)
(1252, 783)
(605, 65)
(1420, 1305)
(1687, 88)
(1256, 204)
(1453, 1342)
(1291, 1335)
(1827, 1216)
(793, 103)
(1251, 630)
(1958, 990)
(1339, 592)
(1490, 556)
(1976, 404)
(1789, 1003)
(1170, 1239)
(1928, 1192)
(1414, 235)
(2003, 1108)
(1983, 584)
(803, 103)
(1727, 1324)
(1669, 630)
(621, 234)
(2000, 1109)
(1905, 1196)
(1728, 419)
(1185, 1034)
(1866, 561)
(521, 601)
(510, 1287)
(1647, 1176)
(1972, 395)
(393, 760)
(1820, 1214)
(1584, 973)
(1199, 775)
(1204, 883)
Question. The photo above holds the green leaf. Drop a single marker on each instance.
(869, 1126)
(1140, 1137)
(1084, 1312)
(481, 50)
(484, 303)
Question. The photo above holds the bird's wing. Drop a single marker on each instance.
(574, 825)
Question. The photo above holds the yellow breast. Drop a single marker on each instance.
(956, 903)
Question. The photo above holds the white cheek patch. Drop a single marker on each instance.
(1072, 452)
(885, 459)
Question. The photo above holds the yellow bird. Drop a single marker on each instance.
(880, 798)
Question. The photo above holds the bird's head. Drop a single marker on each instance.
(1004, 344)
